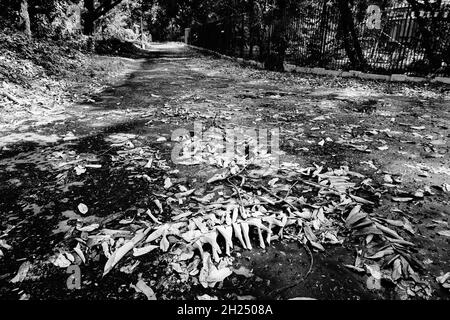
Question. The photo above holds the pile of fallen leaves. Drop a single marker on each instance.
(444, 280)
(247, 202)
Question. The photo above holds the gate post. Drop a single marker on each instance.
(187, 35)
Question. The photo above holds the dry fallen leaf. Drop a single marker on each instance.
(419, 193)
(141, 286)
(445, 233)
(238, 234)
(247, 297)
(361, 200)
(63, 259)
(218, 177)
(204, 272)
(245, 232)
(79, 170)
(402, 199)
(4, 245)
(159, 205)
(22, 272)
(354, 268)
(164, 243)
(381, 254)
(89, 228)
(218, 275)
(206, 199)
(243, 271)
(387, 231)
(227, 234)
(79, 252)
(443, 278)
(374, 271)
(167, 183)
(397, 270)
(354, 216)
(149, 213)
(446, 187)
(317, 245)
(144, 250)
(207, 297)
(373, 283)
(82, 208)
(129, 268)
(123, 250)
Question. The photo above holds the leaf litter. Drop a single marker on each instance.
(258, 203)
(198, 230)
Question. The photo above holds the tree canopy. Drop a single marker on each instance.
(162, 20)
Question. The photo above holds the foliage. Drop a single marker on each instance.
(117, 25)
(434, 30)
(268, 29)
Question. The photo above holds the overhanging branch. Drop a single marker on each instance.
(102, 10)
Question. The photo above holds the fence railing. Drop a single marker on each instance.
(314, 40)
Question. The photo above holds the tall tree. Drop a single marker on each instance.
(25, 24)
(93, 13)
(89, 17)
(277, 18)
(350, 35)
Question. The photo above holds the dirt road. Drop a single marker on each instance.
(97, 154)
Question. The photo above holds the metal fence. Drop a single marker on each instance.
(314, 39)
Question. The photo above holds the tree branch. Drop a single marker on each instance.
(102, 10)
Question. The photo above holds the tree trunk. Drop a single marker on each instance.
(251, 26)
(322, 33)
(278, 42)
(350, 36)
(25, 24)
(428, 36)
(142, 25)
(89, 17)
